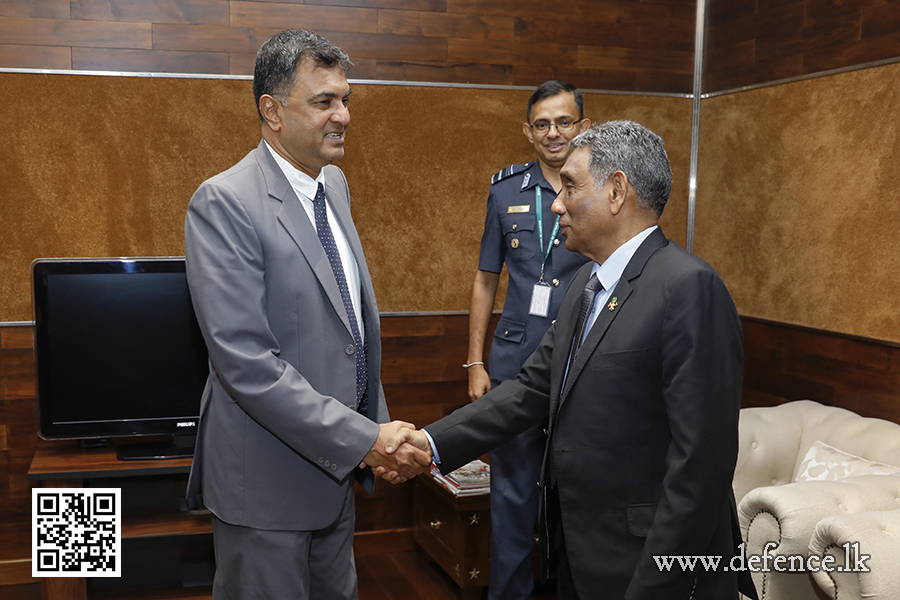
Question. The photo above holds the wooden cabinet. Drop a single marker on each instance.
(166, 550)
(455, 532)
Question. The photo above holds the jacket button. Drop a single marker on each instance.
(334, 467)
(350, 349)
(506, 332)
(515, 226)
(321, 460)
(556, 242)
(556, 283)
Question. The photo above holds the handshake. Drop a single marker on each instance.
(400, 453)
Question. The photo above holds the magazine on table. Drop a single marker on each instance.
(471, 479)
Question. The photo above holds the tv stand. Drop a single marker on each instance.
(161, 532)
(180, 446)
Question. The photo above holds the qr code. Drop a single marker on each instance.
(75, 532)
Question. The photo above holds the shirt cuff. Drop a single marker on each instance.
(436, 458)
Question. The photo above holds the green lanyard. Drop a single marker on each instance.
(539, 210)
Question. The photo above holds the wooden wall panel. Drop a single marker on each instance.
(751, 42)
(607, 44)
(784, 363)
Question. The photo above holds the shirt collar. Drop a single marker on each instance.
(300, 181)
(612, 268)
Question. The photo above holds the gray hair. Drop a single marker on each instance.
(279, 57)
(636, 151)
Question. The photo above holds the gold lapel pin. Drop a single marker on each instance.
(613, 303)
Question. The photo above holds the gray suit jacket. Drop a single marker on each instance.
(279, 437)
(643, 433)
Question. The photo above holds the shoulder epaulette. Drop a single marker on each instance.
(510, 170)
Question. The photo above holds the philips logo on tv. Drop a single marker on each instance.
(186, 424)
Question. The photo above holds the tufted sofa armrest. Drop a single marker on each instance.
(788, 514)
(872, 534)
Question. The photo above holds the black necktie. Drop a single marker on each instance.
(587, 302)
(327, 239)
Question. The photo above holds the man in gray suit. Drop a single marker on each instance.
(294, 406)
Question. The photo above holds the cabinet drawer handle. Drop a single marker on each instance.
(435, 524)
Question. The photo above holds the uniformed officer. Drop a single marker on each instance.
(520, 230)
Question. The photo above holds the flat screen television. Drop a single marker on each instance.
(118, 353)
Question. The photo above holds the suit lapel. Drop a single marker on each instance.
(606, 316)
(297, 223)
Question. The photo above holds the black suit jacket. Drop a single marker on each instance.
(643, 437)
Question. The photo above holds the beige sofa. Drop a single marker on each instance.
(797, 503)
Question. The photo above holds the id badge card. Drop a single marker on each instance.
(540, 299)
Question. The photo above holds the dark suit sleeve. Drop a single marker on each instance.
(498, 416)
(702, 368)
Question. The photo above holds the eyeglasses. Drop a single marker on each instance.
(562, 126)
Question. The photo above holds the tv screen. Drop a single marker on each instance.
(118, 349)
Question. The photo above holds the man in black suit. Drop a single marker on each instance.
(643, 406)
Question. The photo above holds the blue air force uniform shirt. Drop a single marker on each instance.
(511, 236)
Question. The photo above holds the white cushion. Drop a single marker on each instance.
(826, 463)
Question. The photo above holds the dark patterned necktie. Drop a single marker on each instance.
(334, 257)
(587, 302)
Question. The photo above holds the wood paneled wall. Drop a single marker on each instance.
(758, 41)
(785, 362)
(642, 45)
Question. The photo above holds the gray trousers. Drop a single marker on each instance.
(290, 565)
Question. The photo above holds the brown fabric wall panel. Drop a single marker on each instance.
(110, 166)
(420, 206)
(795, 205)
(206, 12)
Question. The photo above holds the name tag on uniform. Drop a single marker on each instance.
(518, 209)
(540, 300)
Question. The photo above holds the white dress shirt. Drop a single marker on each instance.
(610, 272)
(305, 187)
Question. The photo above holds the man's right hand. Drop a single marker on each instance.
(402, 466)
(479, 382)
(411, 436)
